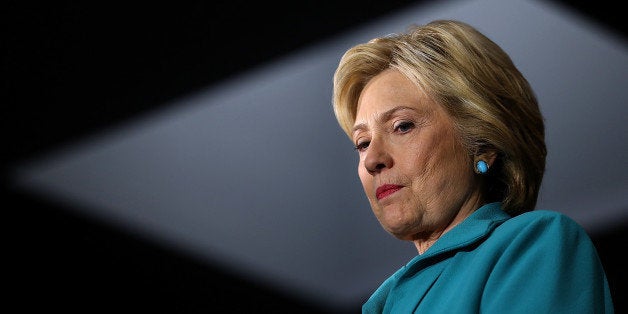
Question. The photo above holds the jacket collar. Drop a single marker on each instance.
(475, 227)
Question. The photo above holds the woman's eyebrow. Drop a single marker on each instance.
(385, 116)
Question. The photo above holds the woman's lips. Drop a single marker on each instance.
(386, 189)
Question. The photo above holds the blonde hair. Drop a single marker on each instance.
(492, 104)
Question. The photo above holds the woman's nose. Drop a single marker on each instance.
(377, 157)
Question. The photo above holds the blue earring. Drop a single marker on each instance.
(481, 167)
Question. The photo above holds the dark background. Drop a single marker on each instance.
(135, 57)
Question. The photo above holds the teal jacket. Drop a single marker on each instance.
(537, 262)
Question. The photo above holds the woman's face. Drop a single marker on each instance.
(414, 170)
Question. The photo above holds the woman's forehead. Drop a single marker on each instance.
(388, 92)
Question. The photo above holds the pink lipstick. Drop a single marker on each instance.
(386, 189)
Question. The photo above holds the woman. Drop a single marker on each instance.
(451, 157)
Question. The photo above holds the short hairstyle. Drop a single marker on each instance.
(492, 104)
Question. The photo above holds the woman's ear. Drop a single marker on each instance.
(489, 157)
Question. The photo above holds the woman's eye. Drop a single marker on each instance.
(404, 127)
(362, 146)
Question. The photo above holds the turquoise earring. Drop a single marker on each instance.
(481, 167)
